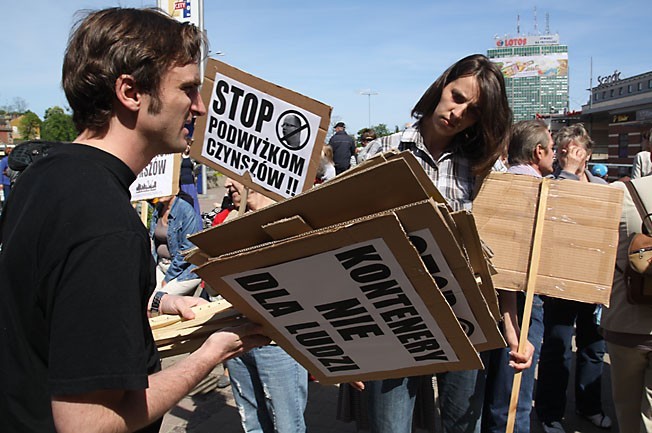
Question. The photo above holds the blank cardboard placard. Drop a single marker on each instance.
(351, 303)
(579, 239)
(267, 137)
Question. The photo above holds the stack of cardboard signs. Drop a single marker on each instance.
(174, 335)
(352, 278)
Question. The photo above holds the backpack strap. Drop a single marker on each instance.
(640, 207)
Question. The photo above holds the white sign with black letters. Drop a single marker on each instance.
(435, 262)
(351, 318)
(249, 131)
(159, 179)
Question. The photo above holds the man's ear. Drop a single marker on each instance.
(127, 93)
(537, 153)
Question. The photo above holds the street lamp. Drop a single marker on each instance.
(369, 93)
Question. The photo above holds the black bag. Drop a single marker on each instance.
(638, 274)
(25, 154)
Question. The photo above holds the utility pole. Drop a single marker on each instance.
(369, 93)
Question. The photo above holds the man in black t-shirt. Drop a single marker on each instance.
(76, 273)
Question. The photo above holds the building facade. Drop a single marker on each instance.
(618, 111)
(536, 73)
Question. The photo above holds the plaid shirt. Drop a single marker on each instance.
(451, 173)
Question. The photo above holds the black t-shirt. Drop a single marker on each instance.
(76, 273)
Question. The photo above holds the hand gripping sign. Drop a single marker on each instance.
(267, 137)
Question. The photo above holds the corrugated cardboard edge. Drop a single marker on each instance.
(466, 225)
(321, 110)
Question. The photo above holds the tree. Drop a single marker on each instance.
(19, 105)
(29, 126)
(57, 125)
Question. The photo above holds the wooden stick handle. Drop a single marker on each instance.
(533, 271)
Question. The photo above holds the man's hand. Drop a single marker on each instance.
(573, 158)
(181, 305)
(232, 342)
(357, 385)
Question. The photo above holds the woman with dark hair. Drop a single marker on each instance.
(462, 127)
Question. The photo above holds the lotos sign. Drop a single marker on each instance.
(267, 137)
(513, 42)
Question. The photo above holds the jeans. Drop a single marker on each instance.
(561, 319)
(391, 401)
(500, 377)
(270, 389)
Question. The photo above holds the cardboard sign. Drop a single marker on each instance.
(379, 188)
(442, 256)
(159, 179)
(579, 238)
(353, 302)
(267, 137)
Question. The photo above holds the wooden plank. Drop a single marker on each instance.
(532, 273)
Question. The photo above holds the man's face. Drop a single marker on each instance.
(234, 189)
(179, 100)
(457, 108)
(547, 157)
(290, 125)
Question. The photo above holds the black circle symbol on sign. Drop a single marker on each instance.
(293, 130)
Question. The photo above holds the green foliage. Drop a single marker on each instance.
(58, 126)
(29, 125)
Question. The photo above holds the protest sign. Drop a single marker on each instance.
(267, 137)
(579, 235)
(159, 179)
(431, 236)
(351, 302)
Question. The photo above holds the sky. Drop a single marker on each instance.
(337, 51)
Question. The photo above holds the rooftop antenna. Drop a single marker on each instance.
(536, 25)
(518, 24)
(547, 23)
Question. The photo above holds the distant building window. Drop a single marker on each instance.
(620, 90)
(595, 96)
(649, 84)
(604, 94)
(629, 88)
(640, 85)
(623, 144)
(611, 92)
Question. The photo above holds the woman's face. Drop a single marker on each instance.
(457, 109)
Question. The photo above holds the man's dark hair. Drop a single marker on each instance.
(485, 141)
(143, 43)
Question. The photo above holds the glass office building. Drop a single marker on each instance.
(536, 74)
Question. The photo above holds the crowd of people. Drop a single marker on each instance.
(80, 281)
